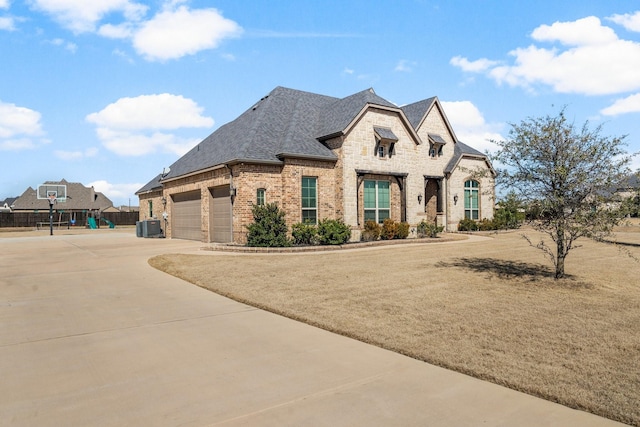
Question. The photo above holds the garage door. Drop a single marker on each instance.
(186, 222)
(221, 230)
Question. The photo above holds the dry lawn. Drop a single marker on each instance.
(488, 308)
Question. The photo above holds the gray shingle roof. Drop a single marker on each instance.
(152, 185)
(416, 111)
(339, 114)
(434, 137)
(459, 151)
(385, 133)
(286, 122)
(79, 197)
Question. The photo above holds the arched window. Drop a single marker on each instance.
(471, 199)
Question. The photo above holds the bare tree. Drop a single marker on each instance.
(566, 174)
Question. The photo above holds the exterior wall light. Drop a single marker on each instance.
(419, 198)
(455, 199)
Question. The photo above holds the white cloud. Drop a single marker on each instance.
(591, 60)
(405, 66)
(629, 21)
(583, 32)
(470, 126)
(126, 143)
(348, 71)
(120, 31)
(134, 126)
(472, 66)
(75, 155)
(16, 144)
(173, 34)
(162, 111)
(116, 192)
(82, 16)
(630, 104)
(17, 121)
(7, 23)
(175, 31)
(4, 4)
(71, 47)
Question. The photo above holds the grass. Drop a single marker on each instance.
(490, 309)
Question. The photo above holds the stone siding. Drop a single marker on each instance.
(476, 169)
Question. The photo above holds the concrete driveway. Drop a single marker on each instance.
(91, 335)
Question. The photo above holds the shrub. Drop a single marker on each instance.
(486, 225)
(371, 231)
(428, 229)
(304, 234)
(269, 228)
(389, 229)
(467, 225)
(402, 230)
(333, 232)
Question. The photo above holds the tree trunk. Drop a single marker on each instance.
(561, 254)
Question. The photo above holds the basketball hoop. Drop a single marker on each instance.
(52, 199)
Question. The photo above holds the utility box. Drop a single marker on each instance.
(138, 228)
(151, 228)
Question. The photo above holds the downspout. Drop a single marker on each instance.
(232, 196)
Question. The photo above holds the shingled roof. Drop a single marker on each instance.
(285, 123)
(153, 185)
(461, 150)
(79, 198)
(415, 112)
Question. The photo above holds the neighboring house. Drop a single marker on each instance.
(357, 158)
(7, 204)
(628, 188)
(79, 199)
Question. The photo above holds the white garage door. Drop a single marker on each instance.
(186, 222)
(220, 211)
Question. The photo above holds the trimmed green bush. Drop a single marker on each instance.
(371, 231)
(402, 230)
(428, 229)
(467, 225)
(304, 234)
(389, 229)
(333, 232)
(269, 228)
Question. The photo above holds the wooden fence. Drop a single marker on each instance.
(32, 219)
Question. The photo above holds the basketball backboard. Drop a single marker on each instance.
(52, 191)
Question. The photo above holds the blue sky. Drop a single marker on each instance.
(108, 92)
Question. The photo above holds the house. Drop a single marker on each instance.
(79, 199)
(356, 158)
(6, 205)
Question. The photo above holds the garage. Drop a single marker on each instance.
(220, 220)
(186, 222)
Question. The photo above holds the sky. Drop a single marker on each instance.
(109, 92)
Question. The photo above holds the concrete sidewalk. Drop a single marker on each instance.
(91, 335)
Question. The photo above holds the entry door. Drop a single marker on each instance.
(186, 221)
(220, 221)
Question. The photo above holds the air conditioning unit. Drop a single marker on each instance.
(151, 228)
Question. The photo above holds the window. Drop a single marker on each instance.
(150, 208)
(471, 199)
(381, 151)
(376, 201)
(260, 199)
(309, 200)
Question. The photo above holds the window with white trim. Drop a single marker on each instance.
(309, 200)
(472, 199)
(377, 200)
(260, 196)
